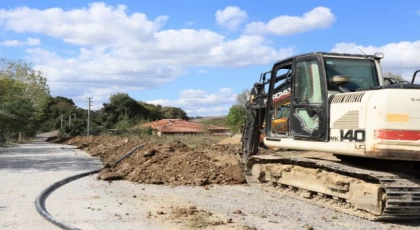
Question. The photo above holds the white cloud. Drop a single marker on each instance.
(118, 52)
(33, 42)
(231, 17)
(28, 42)
(418, 12)
(189, 23)
(400, 58)
(210, 111)
(98, 24)
(201, 71)
(315, 19)
(200, 102)
(192, 93)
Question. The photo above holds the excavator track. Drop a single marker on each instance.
(370, 194)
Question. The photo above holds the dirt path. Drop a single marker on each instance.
(91, 204)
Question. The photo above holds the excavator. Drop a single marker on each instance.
(365, 129)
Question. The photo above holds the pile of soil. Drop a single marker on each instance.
(195, 218)
(172, 163)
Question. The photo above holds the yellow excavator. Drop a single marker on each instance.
(338, 105)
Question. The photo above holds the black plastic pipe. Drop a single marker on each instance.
(40, 200)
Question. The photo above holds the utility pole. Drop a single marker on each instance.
(88, 120)
(70, 120)
(62, 120)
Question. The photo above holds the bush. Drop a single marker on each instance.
(78, 127)
(236, 117)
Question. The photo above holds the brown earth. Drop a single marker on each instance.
(172, 163)
(195, 218)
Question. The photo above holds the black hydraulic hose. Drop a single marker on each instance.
(127, 155)
(40, 200)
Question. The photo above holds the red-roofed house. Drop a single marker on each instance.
(178, 126)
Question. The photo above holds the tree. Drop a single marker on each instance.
(24, 99)
(173, 113)
(155, 111)
(243, 97)
(393, 76)
(124, 111)
(124, 123)
(57, 107)
(121, 104)
(236, 117)
(78, 127)
(16, 112)
(36, 89)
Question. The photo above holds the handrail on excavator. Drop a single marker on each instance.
(414, 76)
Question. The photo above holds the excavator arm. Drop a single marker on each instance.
(253, 122)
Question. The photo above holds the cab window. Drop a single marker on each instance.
(307, 85)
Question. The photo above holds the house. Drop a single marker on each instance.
(218, 130)
(178, 126)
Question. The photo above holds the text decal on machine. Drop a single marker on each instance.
(357, 135)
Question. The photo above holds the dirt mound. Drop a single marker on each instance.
(57, 139)
(52, 139)
(172, 163)
(195, 218)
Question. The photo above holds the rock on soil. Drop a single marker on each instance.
(172, 163)
(236, 172)
(109, 175)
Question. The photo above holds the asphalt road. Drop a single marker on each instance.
(27, 169)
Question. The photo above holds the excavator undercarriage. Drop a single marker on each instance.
(370, 194)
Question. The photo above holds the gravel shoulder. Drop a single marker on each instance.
(89, 203)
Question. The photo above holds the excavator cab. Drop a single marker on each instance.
(305, 83)
(338, 103)
(309, 80)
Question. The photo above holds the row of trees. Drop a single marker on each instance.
(121, 112)
(26, 107)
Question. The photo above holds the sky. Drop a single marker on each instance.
(196, 55)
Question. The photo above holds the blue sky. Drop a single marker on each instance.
(193, 54)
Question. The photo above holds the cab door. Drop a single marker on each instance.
(308, 108)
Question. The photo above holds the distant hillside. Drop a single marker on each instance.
(212, 120)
